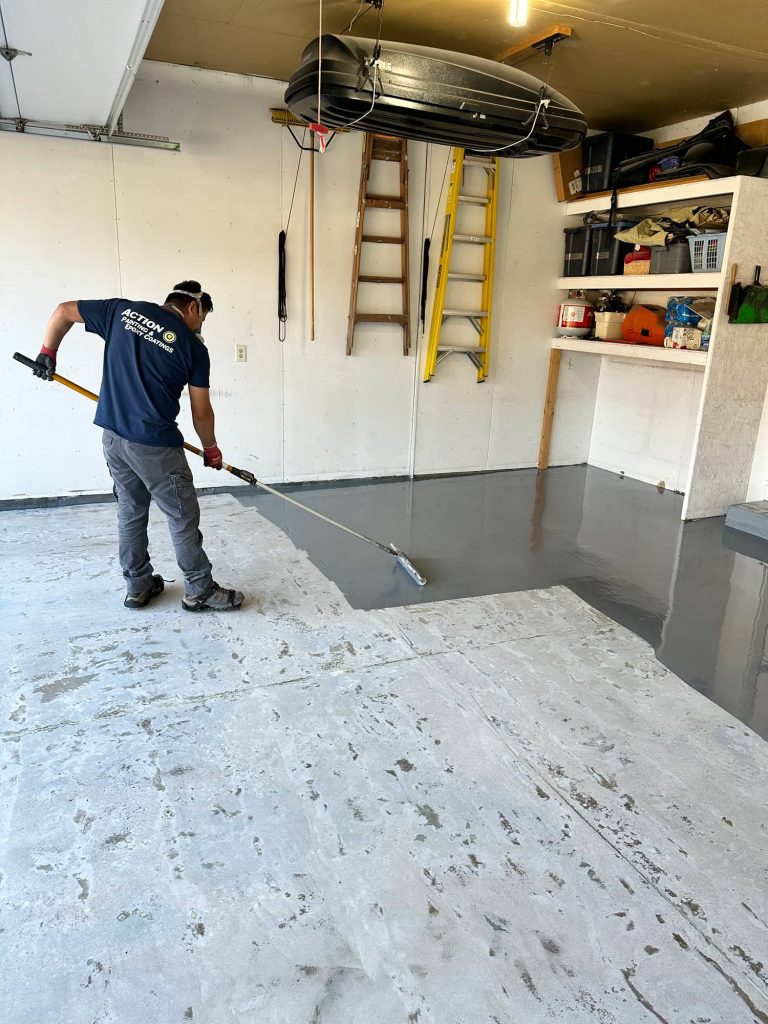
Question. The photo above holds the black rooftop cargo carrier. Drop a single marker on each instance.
(432, 96)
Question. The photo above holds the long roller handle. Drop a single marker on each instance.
(242, 474)
(249, 478)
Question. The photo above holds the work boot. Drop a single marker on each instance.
(142, 600)
(214, 599)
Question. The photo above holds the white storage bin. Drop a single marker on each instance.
(707, 252)
(608, 326)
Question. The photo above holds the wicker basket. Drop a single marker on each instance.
(637, 268)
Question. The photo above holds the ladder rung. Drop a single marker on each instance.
(386, 148)
(468, 277)
(480, 161)
(472, 239)
(475, 200)
(385, 202)
(381, 318)
(370, 279)
(460, 348)
(382, 238)
(465, 312)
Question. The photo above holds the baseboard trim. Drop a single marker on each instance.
(66, 500)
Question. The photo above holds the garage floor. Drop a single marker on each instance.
(696, 592)
(496, 808)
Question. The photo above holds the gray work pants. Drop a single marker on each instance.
(139, 473)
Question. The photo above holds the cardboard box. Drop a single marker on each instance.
(569, 174)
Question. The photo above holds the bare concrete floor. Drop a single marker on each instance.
(497, 808)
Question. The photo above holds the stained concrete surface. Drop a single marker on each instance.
(620, 545)
(487, 809)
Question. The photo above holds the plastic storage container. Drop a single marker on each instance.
(671, 259)
(608, 326)
(707, 252)
(603, 152)
(644, 325)
(576, 262)
(606, 252)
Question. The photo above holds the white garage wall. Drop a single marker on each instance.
(645, 421)
(683, 129)
(90, 220)
(59, 241)
(635, 419)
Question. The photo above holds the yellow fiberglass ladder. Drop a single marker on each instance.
(479, 316)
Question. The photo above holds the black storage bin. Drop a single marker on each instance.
(576, 262)
(606, 252)
(602, 153)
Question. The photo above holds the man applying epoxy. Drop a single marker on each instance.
(151, 354)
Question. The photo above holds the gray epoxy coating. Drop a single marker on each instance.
(620, 545)
(494, 809)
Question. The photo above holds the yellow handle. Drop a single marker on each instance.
(75, 387)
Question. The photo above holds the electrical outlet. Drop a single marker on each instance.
(241, 353)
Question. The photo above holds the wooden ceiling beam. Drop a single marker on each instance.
(538, 41)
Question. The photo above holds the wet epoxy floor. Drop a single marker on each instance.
(696, 592)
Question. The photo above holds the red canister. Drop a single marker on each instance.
(576, 317)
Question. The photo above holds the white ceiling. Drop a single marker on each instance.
(80, 52)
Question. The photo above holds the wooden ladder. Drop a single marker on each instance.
(382, 147)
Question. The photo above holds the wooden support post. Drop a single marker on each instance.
(549, 407)
(312, 241)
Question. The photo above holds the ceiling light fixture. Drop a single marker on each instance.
(518, 13)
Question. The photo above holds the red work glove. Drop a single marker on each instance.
(212, 457)
(46, 362)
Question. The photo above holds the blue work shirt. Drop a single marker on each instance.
(150, 356)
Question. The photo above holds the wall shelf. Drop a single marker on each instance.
(721, 447)
(647, 282)
(652, 195)
(644, 353)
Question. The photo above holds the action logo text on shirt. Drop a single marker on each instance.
(143, 327)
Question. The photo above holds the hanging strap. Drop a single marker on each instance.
(282, 295)
(424, 279)
(282, 309)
